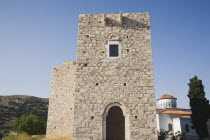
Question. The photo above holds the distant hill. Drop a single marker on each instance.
(12, 107)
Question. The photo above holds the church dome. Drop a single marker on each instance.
(166, 96)
(166, 101)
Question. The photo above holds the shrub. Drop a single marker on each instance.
(162, 134)
(30, 124)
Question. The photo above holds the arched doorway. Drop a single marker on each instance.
(115, 124)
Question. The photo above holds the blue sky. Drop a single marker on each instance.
(36, 35)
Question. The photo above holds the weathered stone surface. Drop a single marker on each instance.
(82, 90)
(61, 105)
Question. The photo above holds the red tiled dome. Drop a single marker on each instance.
(166, 96)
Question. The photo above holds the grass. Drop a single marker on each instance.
(25, 136)
(22, 136)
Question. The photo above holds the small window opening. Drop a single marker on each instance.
(124, 84)
(85, 65)
(126, 36)
(135, 117)
(113, 50)
(84, 51)
(169, 127)
(127, 50)
(187, 128)
(96, 84)
(92, 117)
(99, 21)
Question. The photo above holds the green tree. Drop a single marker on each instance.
(30, 124)
(199, 107)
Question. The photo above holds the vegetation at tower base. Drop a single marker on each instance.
(199, 107)
(162, 135)
(30, 124)
(169, 135)
(12, 107)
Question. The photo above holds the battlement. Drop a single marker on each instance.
(137, 20)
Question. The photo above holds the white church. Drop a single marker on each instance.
(173, 119)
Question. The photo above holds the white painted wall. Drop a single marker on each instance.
(166, 103)
(158, 124)
(176, 125)
(164, 120)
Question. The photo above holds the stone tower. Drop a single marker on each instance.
(108, 92)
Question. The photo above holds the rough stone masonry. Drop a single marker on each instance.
(108, 92)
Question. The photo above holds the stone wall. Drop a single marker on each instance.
(82, 92)
(61, 104)
(127, 80)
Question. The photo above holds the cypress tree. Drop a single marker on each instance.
(199, 107)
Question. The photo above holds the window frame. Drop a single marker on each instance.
(113, 48)
(110, 43)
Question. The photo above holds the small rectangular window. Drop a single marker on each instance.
(113, 51)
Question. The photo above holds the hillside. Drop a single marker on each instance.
(12, 107)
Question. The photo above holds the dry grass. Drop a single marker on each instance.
(65, 137)
(21, 136)
(25, 136)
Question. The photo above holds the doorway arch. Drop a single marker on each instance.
(115, 123)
